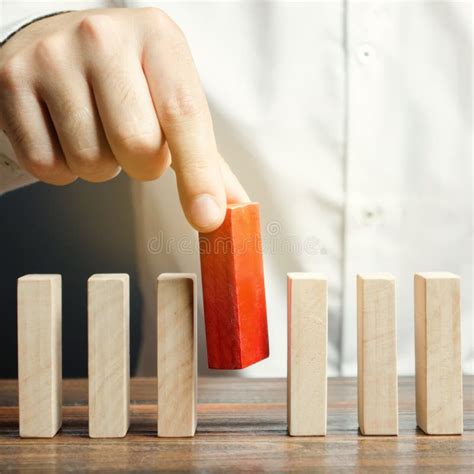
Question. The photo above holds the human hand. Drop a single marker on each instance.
(84, 94)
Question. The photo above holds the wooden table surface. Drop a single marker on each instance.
(241, 426)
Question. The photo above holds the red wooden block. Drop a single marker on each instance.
(234, 291)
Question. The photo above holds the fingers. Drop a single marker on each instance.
(30, 130)
(105, 90)
(123, 99)
(74, 115)
(186, 122)
(235, 192)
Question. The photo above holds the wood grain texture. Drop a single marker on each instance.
(39, 355)
(177, 354)
(438, 353)
(307, 354)
(377, 355)
(242, 427)
(109, 355)
(234, 290)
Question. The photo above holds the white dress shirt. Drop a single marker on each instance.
(351, 123)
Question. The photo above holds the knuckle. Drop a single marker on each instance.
(97, 28)
(46, 167)
(92, 164)
(181, 106)
(139, 144)
(156, 17)
(197, 167)
(49, 51)
(85, 159)
(151, 169)
(11, 74)
(160, 26)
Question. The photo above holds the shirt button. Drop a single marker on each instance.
(370, 215)
(365, 53)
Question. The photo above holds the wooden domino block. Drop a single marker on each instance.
(439, 406)
(109, 355)
(177, 355)
(234, 291)
(307, 354)
(39, 355)
(377, 355)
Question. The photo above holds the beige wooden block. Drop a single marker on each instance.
(177, 355)
(109, 355)
(377, 380)
(307, 354)
(439, 406)
(39, 355)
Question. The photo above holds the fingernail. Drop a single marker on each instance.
(204, 211)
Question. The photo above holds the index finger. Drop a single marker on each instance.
(184, 116)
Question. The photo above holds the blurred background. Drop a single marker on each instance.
(73, 231)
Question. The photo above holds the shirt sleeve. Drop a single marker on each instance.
(14, 15)
(12, 176)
